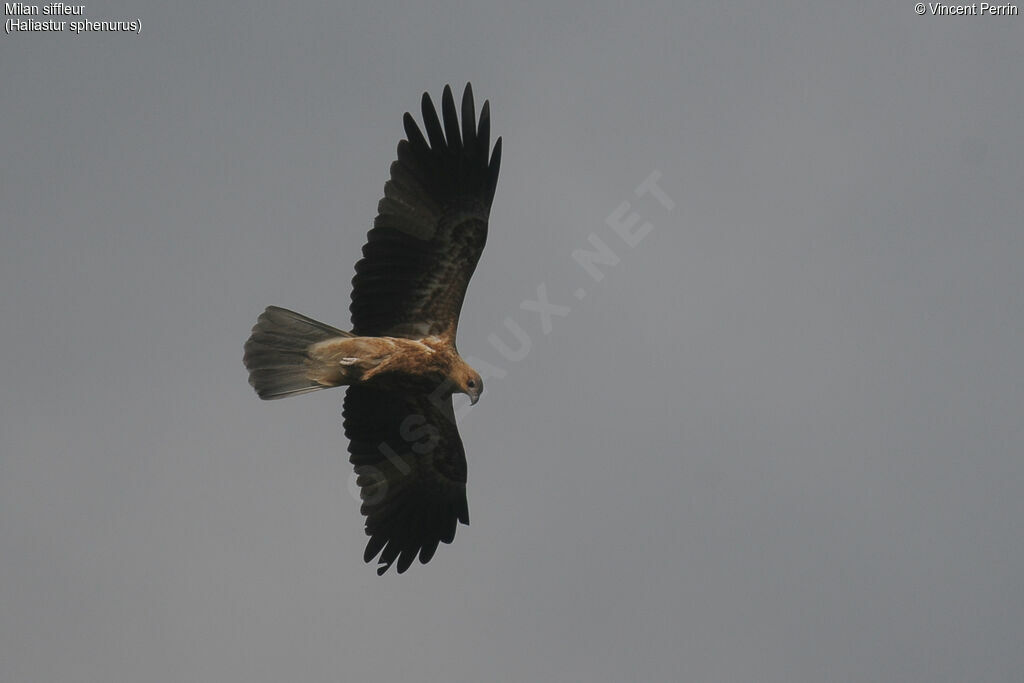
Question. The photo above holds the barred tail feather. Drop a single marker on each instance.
(276, 353)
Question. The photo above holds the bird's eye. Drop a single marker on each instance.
(470, 384)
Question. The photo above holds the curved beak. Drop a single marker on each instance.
(474, 397)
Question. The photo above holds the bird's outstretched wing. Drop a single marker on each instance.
(411, 470)
(431, 225)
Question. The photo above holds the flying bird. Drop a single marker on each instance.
(400, 362)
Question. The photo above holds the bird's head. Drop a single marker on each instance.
(468, 382)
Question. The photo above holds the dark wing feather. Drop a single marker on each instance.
(431, 225)
(411, 470)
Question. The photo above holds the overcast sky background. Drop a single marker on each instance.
(780, 440)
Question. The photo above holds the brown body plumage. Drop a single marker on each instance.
(399, 361)
(392, 363)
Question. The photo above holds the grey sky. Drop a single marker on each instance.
(780, 440)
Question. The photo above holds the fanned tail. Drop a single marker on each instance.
(277, 353)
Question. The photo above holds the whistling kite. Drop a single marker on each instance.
(399, 361)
